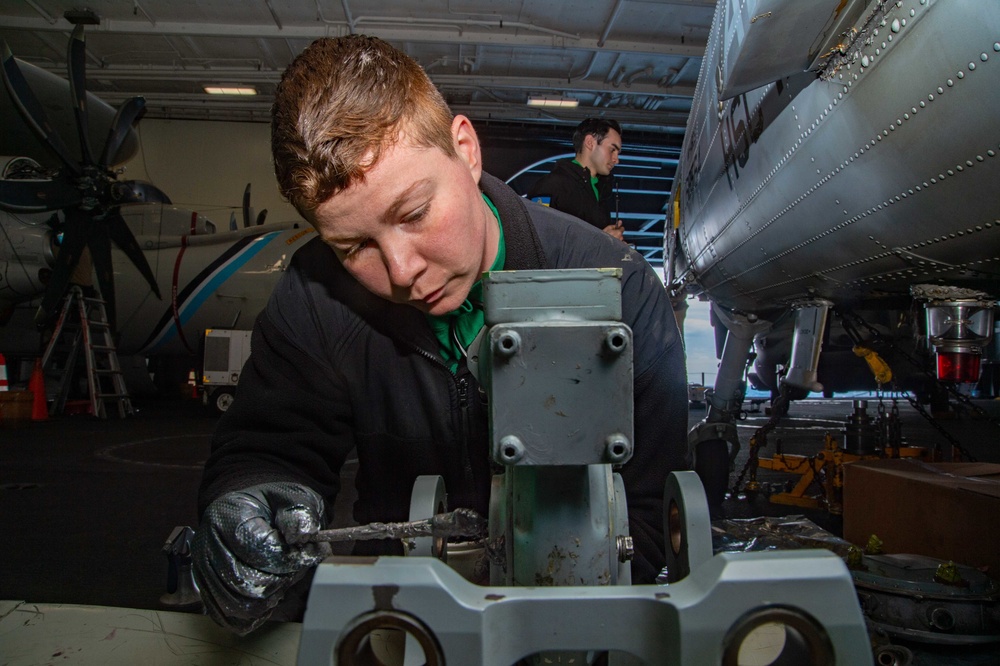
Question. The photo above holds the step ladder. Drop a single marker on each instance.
(82, 329)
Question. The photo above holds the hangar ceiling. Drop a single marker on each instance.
(636, 61)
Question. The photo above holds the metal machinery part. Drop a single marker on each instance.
(557, 522)
(711, 439)
(958, 329)
(807, 342)
(556, 363)
(907, 597)
(861, 436)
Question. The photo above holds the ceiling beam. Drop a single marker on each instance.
(472, 35)
(250, 75)
(258, 109)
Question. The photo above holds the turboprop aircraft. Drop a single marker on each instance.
(166, 273)
(841, 157)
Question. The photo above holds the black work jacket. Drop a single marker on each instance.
(335, 368)
(567, 188)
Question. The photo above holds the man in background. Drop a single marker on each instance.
(583, 186)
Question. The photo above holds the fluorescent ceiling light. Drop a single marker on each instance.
(230, 90)
(564, 102)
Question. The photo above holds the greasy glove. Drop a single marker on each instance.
(252, 546)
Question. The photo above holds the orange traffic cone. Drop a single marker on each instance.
(193, 383)
(40, 408)
(4, 386)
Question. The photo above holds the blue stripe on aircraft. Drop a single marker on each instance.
(202, 292)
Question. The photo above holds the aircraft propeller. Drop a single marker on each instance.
(87, 191)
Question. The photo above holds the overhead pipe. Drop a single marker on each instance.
(611, 20)
(670, 77)
(136, 8)
(274, 14)
(347, 13)
(44, 14)
(647, 71)
(459, 24)
(590, 67)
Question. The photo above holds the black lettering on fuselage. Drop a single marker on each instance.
(737, 135)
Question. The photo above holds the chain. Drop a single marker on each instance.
(965, 400)
(779, 407)
(937, 426)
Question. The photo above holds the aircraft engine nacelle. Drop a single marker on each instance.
(25, 262)
(26, 254)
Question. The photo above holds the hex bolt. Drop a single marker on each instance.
(511, 449)
(626, 549)
(616, 340)
(617, 448)
(507, 344)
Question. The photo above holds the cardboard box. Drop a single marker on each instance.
(950, 511)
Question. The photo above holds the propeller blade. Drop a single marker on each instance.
(37, 196)
(31, 110)
(77, 59)
(100, 248)
(128, 114)
(122, 236)
(246, 207)
(76, 232)
(261, 216)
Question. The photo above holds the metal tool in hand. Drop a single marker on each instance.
(460, 522)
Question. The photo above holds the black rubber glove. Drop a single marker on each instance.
(252, 546)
